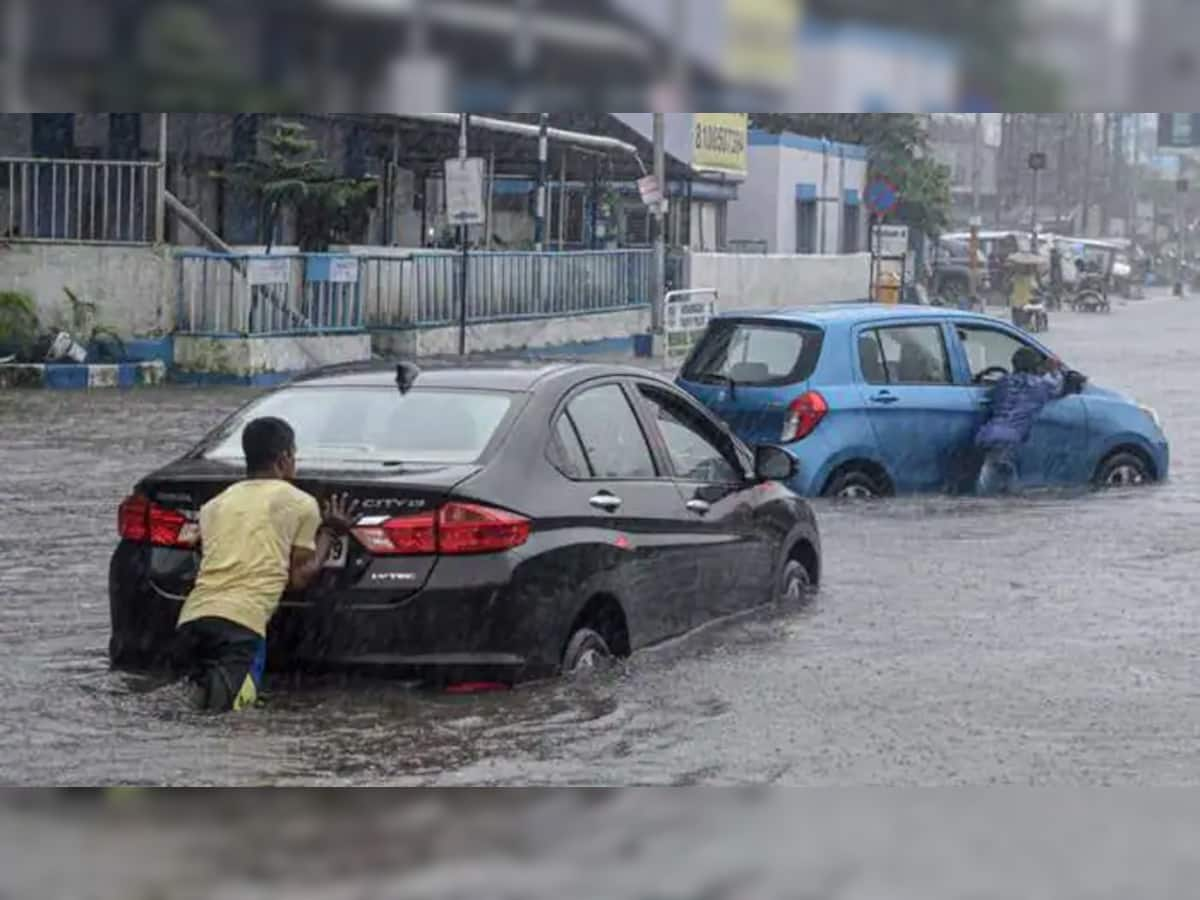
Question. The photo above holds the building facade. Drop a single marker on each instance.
(801, 195)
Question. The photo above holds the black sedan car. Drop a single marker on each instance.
(514, 522)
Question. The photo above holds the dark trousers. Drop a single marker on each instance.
(224, 662)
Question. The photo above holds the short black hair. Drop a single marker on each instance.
(264, 441)
(1026, 360)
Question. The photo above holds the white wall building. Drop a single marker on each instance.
(801, 195)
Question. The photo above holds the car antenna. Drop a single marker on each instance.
(406, 376)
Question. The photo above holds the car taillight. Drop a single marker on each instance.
(456, 529)
(132, 516)
(140, 520)
(804, 414)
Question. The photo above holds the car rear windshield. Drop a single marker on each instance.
(375, 424)
(755, 353)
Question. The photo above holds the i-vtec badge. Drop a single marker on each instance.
(377, 503)
(393, 576)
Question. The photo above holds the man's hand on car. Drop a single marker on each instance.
(340, 514)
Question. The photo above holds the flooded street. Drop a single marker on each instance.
(1048, 640)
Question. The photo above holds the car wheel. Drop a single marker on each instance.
(795, 584)
(854, 484)
(587, 651)
(1123, 470)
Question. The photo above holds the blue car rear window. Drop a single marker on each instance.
(755, 353)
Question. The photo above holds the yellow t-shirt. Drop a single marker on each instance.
(247, 533)
(1022, 294)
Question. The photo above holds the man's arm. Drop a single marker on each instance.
(311, 551)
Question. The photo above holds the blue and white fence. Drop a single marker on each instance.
(263, 294)
(295, 293)
(425, 289)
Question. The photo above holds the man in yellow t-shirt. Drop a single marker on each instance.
(258, 538)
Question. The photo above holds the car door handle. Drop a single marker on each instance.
(985, 403)
(607, 502)
(885, 397)
(699, 507)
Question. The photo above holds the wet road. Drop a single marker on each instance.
(1028, 641)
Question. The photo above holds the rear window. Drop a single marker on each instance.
(376, 424)
(754, 353)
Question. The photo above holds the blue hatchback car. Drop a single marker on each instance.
(876, 400)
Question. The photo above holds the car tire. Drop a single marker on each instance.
(795, 584)
(1123, 469)
(854, 484)
(586, 652)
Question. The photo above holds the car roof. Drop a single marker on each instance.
(519, 376)
(853, 313)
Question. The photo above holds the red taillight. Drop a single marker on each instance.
(144, 522)
(804, 414)
(132, 518)
(456, 529)
(467, 528)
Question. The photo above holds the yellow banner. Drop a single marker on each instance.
(761, 38)
(719, 142)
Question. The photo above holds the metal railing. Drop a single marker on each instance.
(78, 200)
(424, 289)
(261, 294)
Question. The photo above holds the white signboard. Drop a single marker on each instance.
(343, 270)
(686, 315)
(464, 191)
(891, 240)
(649, 188)
(267, 270)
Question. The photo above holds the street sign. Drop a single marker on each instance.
(881, 196)
(649, 189)
(464, 191)
(891, 240)
(1037, 161)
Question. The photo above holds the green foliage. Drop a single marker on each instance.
(898, 148)
(293, 176)
(18, 322)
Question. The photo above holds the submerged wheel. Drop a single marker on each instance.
(854, 484)
(1124, 469)
(795, 584)
(587, 651)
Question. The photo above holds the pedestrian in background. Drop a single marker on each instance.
(1017, 400)
(258, 538)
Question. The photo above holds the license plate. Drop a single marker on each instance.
(338, 553)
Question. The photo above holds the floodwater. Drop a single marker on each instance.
(1047, 640)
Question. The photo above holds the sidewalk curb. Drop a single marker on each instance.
(71, 375)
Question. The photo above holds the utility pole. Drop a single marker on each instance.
(463, 232)
(660, 250)
(1060, 186)
(160, 200)
(1087, 171)
(976, 154)
(1033, 223)
(1134, 174)
(539, 234)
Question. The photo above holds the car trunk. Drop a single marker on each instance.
(381, 491)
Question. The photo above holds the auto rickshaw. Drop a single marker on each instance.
(1093, 272)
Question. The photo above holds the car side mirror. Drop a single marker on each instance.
(774, 464)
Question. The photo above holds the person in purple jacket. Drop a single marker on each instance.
(1017, 400)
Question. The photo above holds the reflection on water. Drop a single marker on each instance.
(1044, 639)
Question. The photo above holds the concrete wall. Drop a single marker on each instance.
(753, 281)
(245, 357)
(535, 334)
(131, 286)
(766, 207)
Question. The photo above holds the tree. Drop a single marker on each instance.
(898, 148)
(290, 175)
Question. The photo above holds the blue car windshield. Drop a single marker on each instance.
(755, 353)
